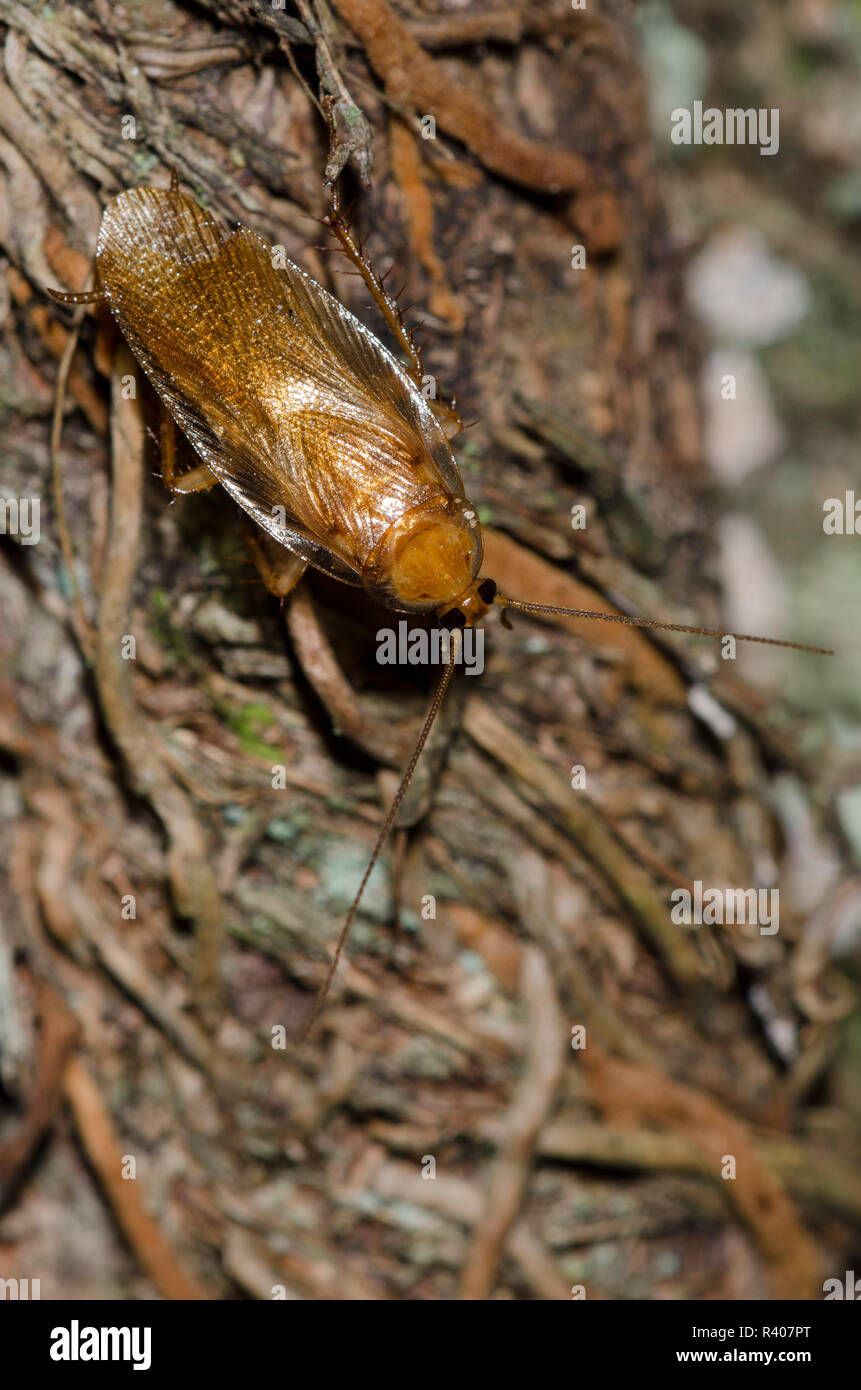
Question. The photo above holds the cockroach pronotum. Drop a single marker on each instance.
(319, 433)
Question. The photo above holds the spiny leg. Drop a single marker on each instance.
(79, 297)
(446, 415)
(338, 225)
(448, 418)
(197, 479)
(75, 297)
(279, 569)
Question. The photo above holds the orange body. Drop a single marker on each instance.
(309, 423)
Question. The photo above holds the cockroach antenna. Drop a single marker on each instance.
(552, 610)
(439, 696)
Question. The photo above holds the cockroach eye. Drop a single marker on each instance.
(453, 618)
(487, 590)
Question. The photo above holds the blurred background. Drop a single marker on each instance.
(772, 280)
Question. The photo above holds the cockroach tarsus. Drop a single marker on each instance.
(310, 424)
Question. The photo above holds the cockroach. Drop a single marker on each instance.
(310, 424)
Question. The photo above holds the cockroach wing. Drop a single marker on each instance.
(369, 365)
(307, 421)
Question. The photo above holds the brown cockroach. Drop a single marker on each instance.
(318, 432)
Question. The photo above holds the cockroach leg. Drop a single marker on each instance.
(338, 223)
(279, 569)
(385, 303)
(352, 248)
(79, 297)
(196, 479)
(448, 418)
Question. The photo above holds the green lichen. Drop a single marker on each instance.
(248, 723)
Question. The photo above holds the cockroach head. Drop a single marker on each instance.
(471, 605)
(428, 561)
